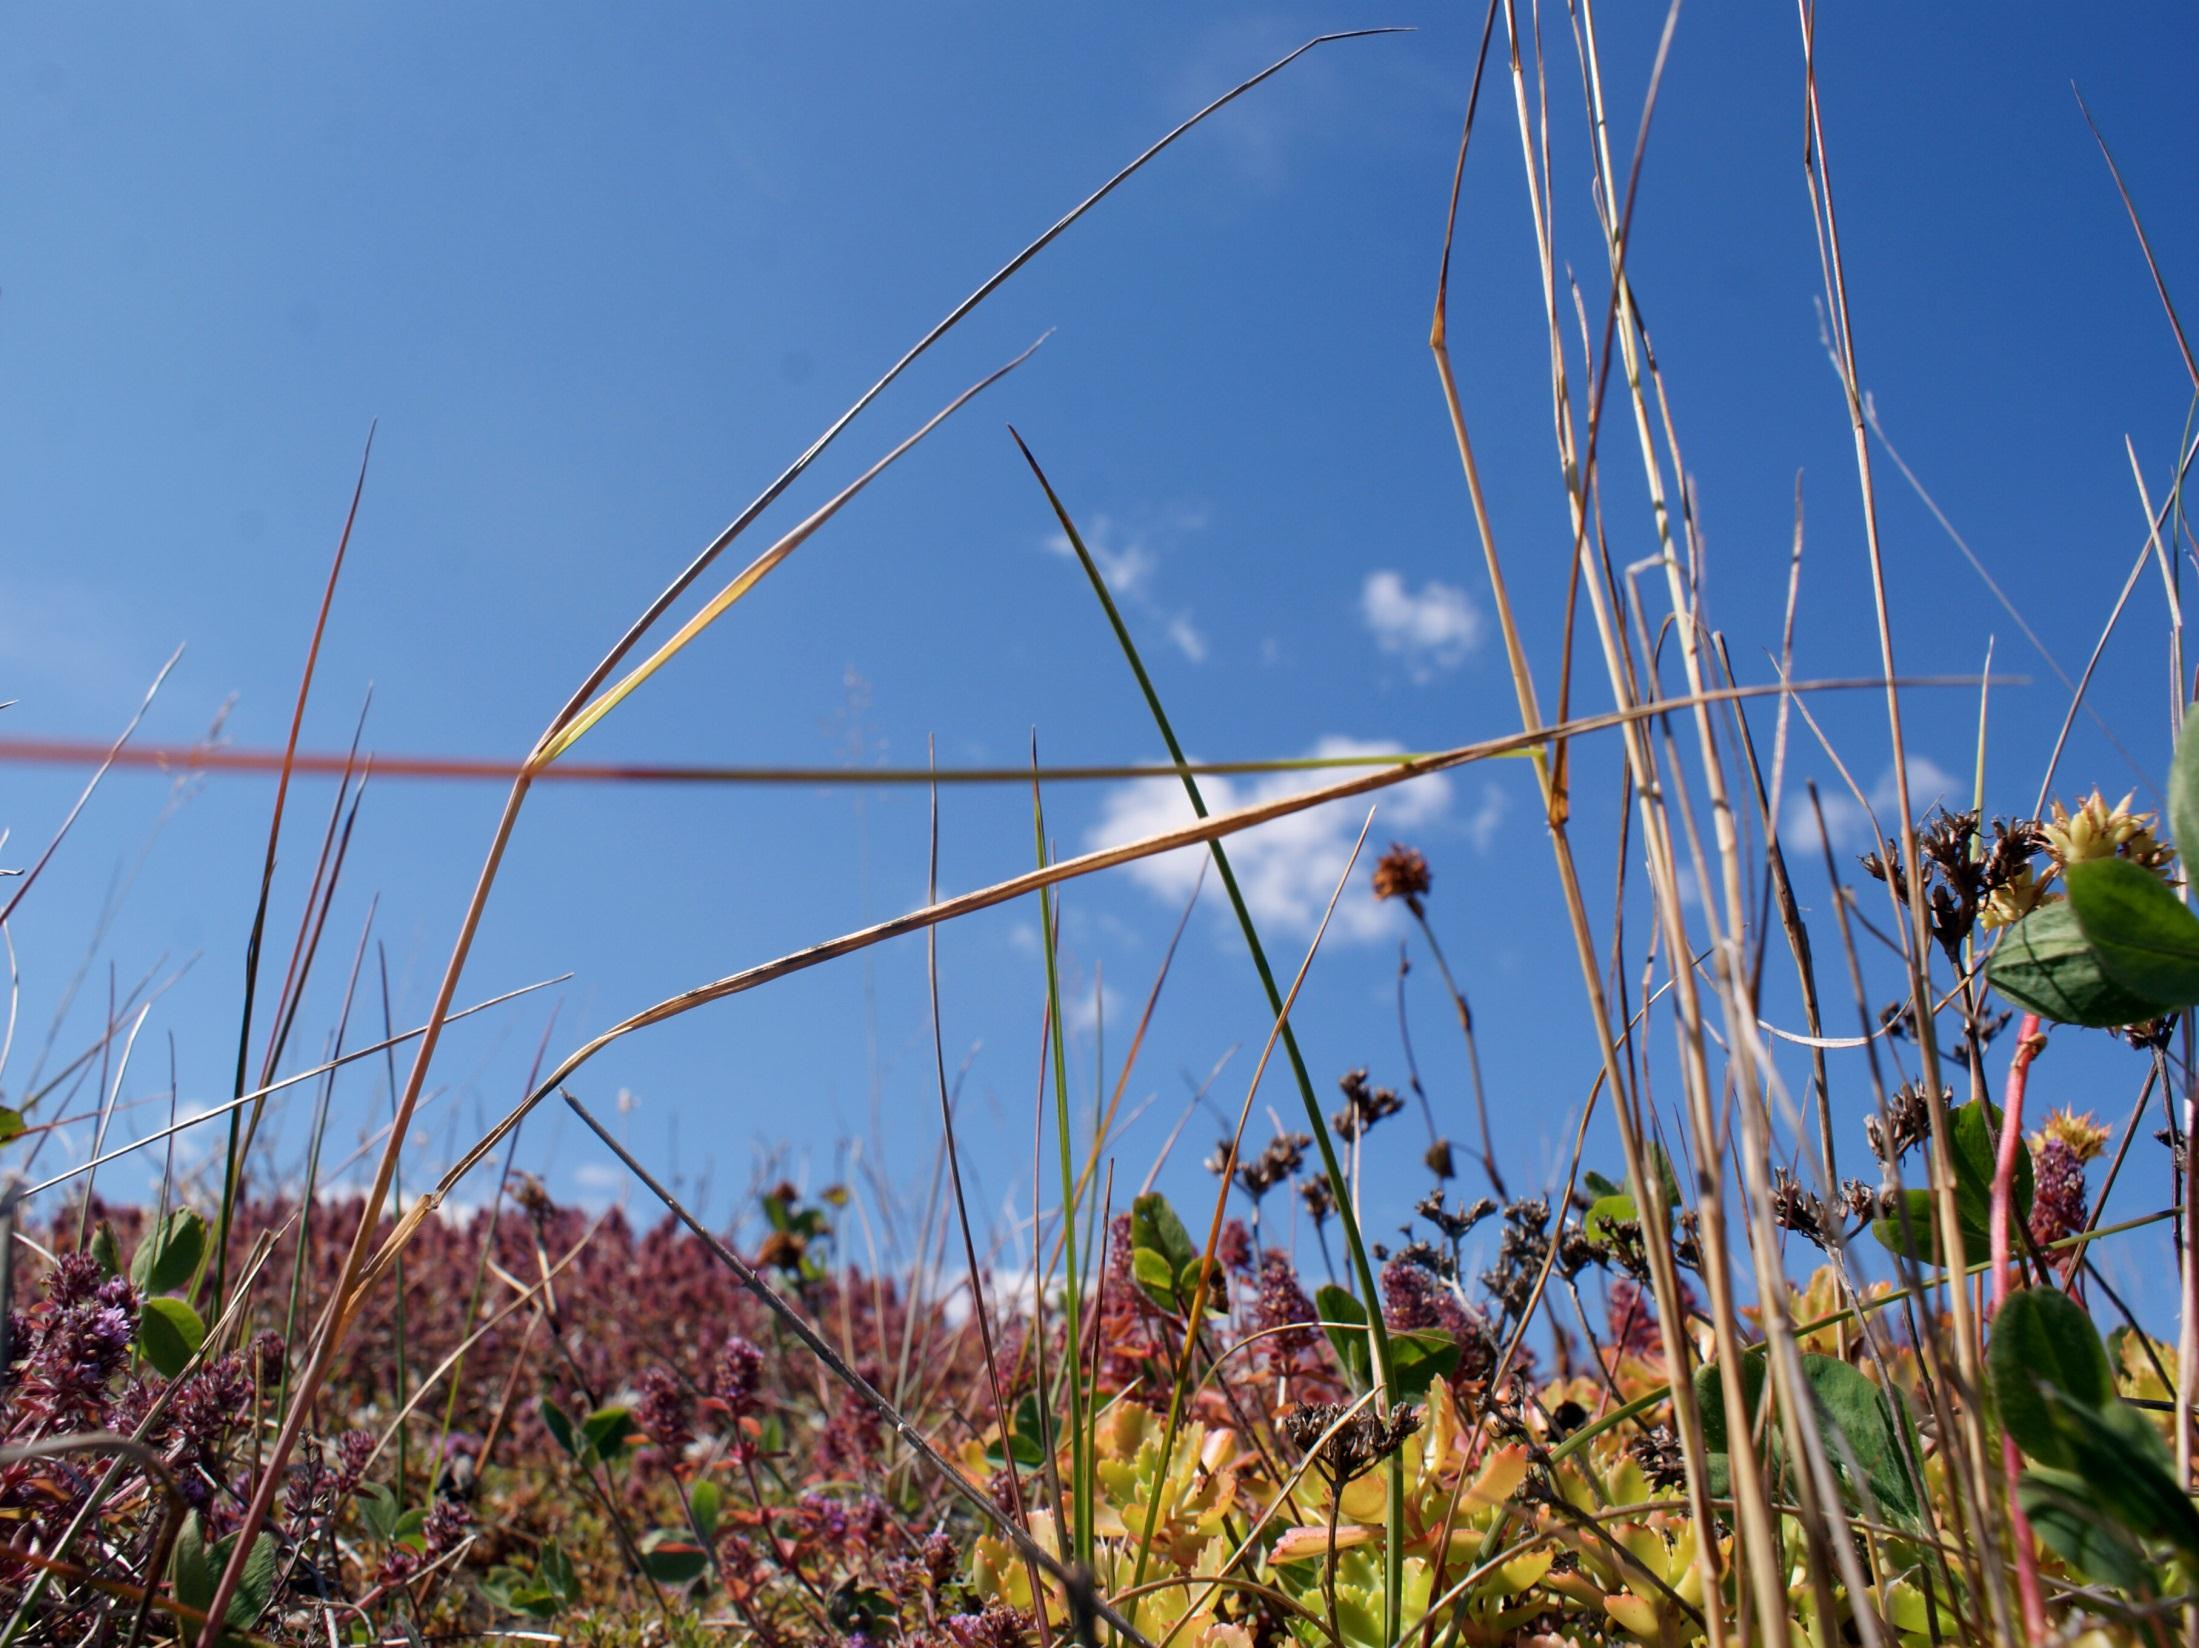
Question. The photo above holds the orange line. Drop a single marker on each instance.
(181, 759)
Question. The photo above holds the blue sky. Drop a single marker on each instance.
(600, 273)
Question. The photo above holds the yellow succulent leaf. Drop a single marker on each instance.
(1312, 1544)
(1523, 1571)
(1637, 1616)
(1501, 1474)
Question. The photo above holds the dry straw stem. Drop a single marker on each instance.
(1663, 1275)
(1215, 827)
(306, 1075)
(1659, 803)
(263, 1495)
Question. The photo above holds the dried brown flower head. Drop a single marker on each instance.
(1356, 1445)
(1907, 1122)
(1402, 872)
(1363, 1105)
(1320, 1200)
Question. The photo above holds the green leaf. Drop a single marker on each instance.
(560, 1427)
(1862, 1434)
(702, 1504)
(1598, 1186)
(1162, 1255)
(607, 1430)
(190, 1575)
(378, 1511)
(170, 1256)
(411, 1529)
(255, 1584)
(2042, 1340)
(1604, 1212)
(1710, 1402)
(2128, 1469)
(105, 1252)
(1665, 1176)
(674, 1559)
(555, 1570)
(1418, 1358)
(1912, 1229)
(169, 1332)
(1031, 1426)
(2139, 930)
(2183, 784)
(1217, 1292)
(1153, 1275)
(1153, 1224)
(1974, 1137)
(2044, 963)
(2060, 1513)
(1347, 1331)
(11, 1124)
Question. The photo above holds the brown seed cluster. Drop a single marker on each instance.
(1358, 1444)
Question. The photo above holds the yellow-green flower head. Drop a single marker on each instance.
(2097, 830)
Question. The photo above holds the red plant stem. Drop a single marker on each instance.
(2030, 1042)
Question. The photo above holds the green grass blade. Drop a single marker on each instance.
(1377, 1331)
(1080, 1442)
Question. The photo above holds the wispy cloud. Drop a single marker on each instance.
(1129, 559)
(1487, 817)
(1288, 868)
(1847, 825)
(1430, 629)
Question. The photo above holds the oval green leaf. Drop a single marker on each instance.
(169, 1332)
(2042, 1339)
(170, 1256)
(1861, 1435)
(1912, 1229)
(2045, 964)
(2140, 931)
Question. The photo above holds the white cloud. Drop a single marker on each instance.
(1287, 868)
(1431, 629)
(1126, 568)
(1487, 818)
(1187, 637)
(1086, 1012)
(1128, 562)
(1848, 825)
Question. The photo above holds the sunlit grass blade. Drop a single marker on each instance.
(754, 573)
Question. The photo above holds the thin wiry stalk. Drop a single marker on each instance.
(256, 1510)
(234, 1162)
(1759, 1538)
(2153, 268)
(204, 758)
(335, 1062)
(1649, 1201)
(1003, 1416)
(1817, 173)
